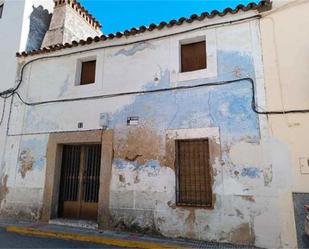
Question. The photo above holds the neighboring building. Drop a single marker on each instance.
(285, 43)
(22, 28)
(71, 21)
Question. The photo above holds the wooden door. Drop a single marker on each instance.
(80, 182)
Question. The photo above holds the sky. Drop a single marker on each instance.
(119, 15)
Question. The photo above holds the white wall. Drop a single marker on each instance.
(249, 172)
(14, 30)
(285, 44)
(11, 30)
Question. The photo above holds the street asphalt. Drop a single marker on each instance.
(14, 240)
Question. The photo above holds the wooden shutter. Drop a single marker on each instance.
(193, 56)
(193, 180)
(88, 72)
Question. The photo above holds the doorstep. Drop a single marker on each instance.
(75, 223)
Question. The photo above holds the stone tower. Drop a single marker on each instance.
(70, 21)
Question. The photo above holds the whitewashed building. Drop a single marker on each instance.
(157, 129)
(21, 26)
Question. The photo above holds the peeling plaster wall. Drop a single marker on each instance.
(249, 167)
(285, 49)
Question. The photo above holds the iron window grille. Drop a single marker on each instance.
(193, 173)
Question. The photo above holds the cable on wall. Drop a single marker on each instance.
(3, 111)
(254, 106)
(220, 83)
(9, 92)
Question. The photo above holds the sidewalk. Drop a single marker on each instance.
(111, 238)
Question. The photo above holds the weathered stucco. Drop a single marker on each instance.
(21, 24)
(67, 26)
(285, 58)
(249, 167)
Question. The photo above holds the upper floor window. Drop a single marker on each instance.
(193, 56)
(88, 72)
(1, 10)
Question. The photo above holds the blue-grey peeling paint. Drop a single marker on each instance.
(227, 107)
(36, 149)
(153, 165)
(34, 121)
(135, 49)
(251, 172)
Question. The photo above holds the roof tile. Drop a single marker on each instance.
(263, 5)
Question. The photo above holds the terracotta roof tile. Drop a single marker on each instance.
(263, 5)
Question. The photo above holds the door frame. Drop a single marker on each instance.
(53, 171)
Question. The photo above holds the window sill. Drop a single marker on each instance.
(188, 206)
(193, 75)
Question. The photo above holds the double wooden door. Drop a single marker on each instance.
(80, 182)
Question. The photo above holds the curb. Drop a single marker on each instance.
(90, 238)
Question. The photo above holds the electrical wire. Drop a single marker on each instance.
(9, 92)
(220, 83)
(3, 112)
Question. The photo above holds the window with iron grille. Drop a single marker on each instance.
(193, 176)
(193, 56)
(1, 10)
(88, 72)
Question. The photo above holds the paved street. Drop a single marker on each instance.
(13, 240)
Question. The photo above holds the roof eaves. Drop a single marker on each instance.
(262, 6)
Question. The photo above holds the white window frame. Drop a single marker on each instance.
(209, 36)
(79, 70)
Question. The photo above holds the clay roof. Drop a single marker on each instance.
(263, 5)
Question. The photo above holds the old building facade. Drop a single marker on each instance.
(285, 58)
(161, 129)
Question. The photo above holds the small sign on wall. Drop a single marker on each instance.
(132, 121)
(304, 165)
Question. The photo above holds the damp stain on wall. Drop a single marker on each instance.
(26, 161)
(139, 47)
(3, 188)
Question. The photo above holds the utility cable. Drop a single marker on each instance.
(211, 84)
(9, 92)
(3, 111)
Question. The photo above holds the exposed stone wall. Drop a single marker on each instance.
(77, 28)
(66, 26)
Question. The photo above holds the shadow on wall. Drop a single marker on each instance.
(39, 24)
